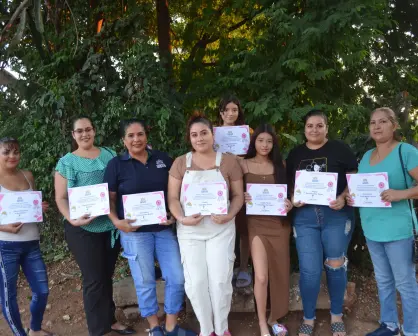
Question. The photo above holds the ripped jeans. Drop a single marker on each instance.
(322, 235)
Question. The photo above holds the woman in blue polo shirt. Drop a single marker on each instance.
(142, 170)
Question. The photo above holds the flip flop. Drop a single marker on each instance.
(46, 333)
(243, 279)
(306, 329)
(279, 329)
(338, 327)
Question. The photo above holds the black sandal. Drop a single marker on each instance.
(306, 329)
(338, 327)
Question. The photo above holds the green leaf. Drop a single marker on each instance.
(290, 137)
(20, 30)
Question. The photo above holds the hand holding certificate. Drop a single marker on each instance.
(145, 208)
(232, 139)
(365, 189)
(90, 200)
(205, 198)
(267, 199)
(315, 188)
(21, 207)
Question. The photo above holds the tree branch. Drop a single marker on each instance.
(24, 89)
(75, 26)
(36, 37)
(16, 85)
(9, 25)
(206, 39)
(7, 79)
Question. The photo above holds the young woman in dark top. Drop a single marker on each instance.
(142, 170)
(232, 114)
(322, 233)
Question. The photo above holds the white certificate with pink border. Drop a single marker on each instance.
(232, 139)
(365, 189)
(145, 208)
(205, 198)
(92, 200)
(315, 188)
(21, 207)
(267, 199)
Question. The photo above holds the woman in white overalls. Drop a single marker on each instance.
(206, 242)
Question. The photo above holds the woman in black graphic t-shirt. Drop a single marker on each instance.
(322, 232)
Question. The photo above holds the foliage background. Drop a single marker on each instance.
(159, 60)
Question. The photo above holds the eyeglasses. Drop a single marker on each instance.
(81, 130)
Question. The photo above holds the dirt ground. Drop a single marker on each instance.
(65, 315)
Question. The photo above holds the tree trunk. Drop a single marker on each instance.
(164, 44)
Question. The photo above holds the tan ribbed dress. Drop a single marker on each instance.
(274, 232)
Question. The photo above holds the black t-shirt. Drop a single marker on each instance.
(334, 157)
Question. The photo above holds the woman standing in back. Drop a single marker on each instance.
(232, 114)
(92, 240)
(268, 235)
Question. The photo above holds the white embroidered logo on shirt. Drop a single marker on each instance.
(160, 164)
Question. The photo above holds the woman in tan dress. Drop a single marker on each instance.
(268, 235)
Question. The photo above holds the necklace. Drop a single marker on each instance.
(263, 163)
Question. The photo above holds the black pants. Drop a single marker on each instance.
(96, 259)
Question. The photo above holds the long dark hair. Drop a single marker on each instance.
(275, 156)
(222, 106)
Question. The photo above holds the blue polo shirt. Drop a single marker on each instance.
(126, 176)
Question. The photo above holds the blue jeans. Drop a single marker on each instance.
(322, 234)
(394, 269)
(141, 249)
(27, 255)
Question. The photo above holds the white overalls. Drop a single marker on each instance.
(207, 253)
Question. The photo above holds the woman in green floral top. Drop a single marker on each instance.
(92, 240)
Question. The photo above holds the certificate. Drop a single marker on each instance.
(232, 139)
(205, 198)
(267, 199)
(365, 189)
(21, 206)
(146, 208)
(92, 200)
(315, 188)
